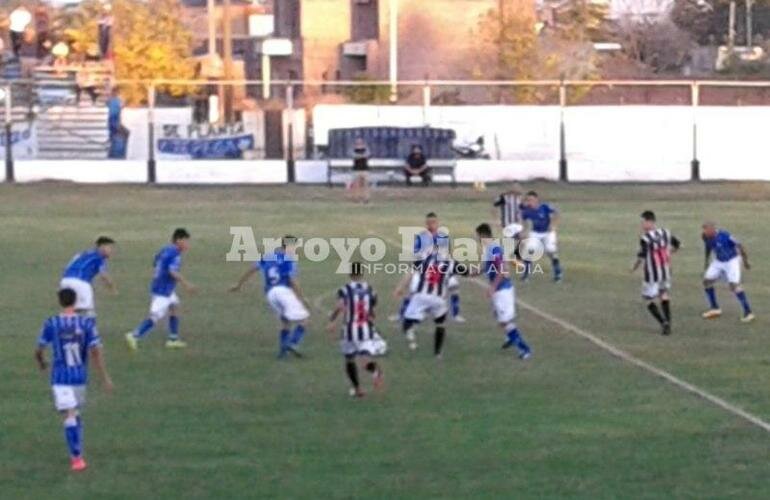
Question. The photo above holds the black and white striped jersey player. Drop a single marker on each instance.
(359, 339)
(430, 288)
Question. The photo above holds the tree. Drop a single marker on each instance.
(513, 46)
(149, 39)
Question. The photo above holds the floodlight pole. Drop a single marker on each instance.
(151, 164)
(393, 11)
(9, 171)
(563, 171)
(695, 163)
(290, 164)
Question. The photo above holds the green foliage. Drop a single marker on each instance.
(367, 94)
(150, 42)
(509, 48)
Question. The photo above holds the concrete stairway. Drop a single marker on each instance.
(71, 132)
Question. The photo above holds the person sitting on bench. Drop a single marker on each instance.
(417, 164)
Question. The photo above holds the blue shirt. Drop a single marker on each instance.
(70, 338)
(168, 259)
(86, 265)
(425, 242)
(540, 216)
(278, 269)
(494, 261)
(723, 245)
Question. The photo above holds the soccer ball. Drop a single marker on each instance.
(512, 230)
(531, 249)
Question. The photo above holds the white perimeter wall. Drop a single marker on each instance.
(603, 144)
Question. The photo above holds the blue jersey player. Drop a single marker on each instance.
(81, 270)
(543, 220)
(72, 339)
(163, 298)
(728, 253)
(283, 293)
(501, 292)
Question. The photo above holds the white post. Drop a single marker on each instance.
(211, 12)
(425, 104)
(731, 29)
(749, 27)
(266, 76)
(393, 7)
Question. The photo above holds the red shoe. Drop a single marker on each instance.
(77, 464)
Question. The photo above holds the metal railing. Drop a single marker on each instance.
(289, 94)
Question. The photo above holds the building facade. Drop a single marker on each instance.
(327, 40)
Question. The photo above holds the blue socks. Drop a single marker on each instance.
(298, 335)
(173, 327)
(455, 302)
(514, 338)
(143, 328)
(72, 433)
(556, 268)
(744, 302)
(711, 296)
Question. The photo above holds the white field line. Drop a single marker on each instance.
(623, 355)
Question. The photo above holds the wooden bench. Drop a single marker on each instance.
(387, 171)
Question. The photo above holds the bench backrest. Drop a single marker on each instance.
(392, 142)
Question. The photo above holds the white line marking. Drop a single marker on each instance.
(619, 353)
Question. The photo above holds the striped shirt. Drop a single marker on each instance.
(85, 265)
(70, 338)
(510, 208)
(434, 273)
(655, 248)
(360, 300)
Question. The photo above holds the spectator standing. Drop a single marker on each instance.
(360, 185)
(105, 32)
(417, 164)
(85, 81)
(20, 19)
(42, 29)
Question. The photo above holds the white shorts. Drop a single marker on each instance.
(729, 271)
(652, 290)
(453, 284)
(160, 305)
(504, 305)
(422, 304)
(286, 304)
(68, 397)
(548, 240)
(83, 291)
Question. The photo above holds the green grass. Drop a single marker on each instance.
(225, 419)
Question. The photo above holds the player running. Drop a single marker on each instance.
(726, 265)
(430, 296)
(656, 245)
(283, 294)
(163, 298)
(501, 291)
(356, 301)
(83, 268)
(543, 220)
(72, 338)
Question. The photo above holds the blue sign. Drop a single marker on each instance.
(220, 147)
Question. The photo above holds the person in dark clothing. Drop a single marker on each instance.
(417, 164)
(360, 185)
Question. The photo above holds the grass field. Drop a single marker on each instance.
(225, 419)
